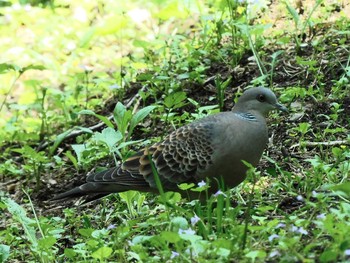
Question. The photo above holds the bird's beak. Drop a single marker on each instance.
(281, 107)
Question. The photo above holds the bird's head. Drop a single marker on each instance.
(261, 100)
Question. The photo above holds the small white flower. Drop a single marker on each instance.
(273, 236)
(321, 216)
(114, 86)
(194, 220)
(220, 193)
(202, 184)
(302, 231)
(174, 254)
(186, 231)
(294, 229)
(86, 68)
(111, 226)
(314, 194)
(281, 225)
(274, 254)
(300, 198)
(347, 252)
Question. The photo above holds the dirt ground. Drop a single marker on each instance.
(330, 60)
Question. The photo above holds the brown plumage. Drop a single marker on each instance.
(210, 147)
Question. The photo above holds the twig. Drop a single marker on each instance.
(312, 144)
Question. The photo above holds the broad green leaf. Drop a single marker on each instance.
(58, 140)
(143, 44)
(20, 215)
(70, 253)
(192, 238)
(46, 243)
(102, 253)
(175, 100)
(128, 195)
(329, 255)
(343, 187)
(127, 143)
(122, 117)
(186, 186)
(140, 239)
(79, 149)
(183, 76)
(180, 222)
(170, 236)
(72, 159)
(293, 13)
(4, 253)
(108, 136)
(33, 66)
(5, 67)
(104, 119)
(139, 116)
(256, 254)
(86, 232)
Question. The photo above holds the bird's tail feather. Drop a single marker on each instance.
(99, 189)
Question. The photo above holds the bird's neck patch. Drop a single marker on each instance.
(246, 116)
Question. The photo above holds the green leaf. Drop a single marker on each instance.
(108, 136)
(102, 253)
(4, 252)
(79, 149)
(119, 110)
(86, 232)
(72, 159)
(122, 117)
(58, 140)
(104, 119)
(33, 66)
(186, 186)
(70, 253)
(128, 196)
(46, 243)
(329, 256)
(139, 116)
(256, 254)
(179, 222)
(20, 215)
(192, 238)
(343, 187)
(5, 67)
(140, 239)
(175, 100)
(124, 144)
(170, 236)
(183, 76)
(143, 44)
(293, 12)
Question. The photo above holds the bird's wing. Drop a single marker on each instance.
(177, 159)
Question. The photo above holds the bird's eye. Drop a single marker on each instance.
(260, 98)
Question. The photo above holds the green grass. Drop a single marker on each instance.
(139, 69)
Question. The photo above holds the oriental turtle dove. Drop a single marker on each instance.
(211, 147)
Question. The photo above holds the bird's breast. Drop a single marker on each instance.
(237, 140)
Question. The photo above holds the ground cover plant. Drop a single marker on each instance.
(84, 84)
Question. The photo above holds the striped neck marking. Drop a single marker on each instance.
(246, 116)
